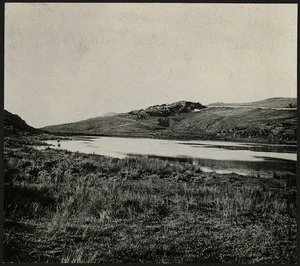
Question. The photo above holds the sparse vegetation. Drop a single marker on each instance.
(82, 208)
(163, 122)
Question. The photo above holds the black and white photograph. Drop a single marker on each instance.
(150, 133)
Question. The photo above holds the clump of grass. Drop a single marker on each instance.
(79, 254)
(290, 178)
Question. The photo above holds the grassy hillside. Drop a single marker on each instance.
(277, 102)
(14, 125)
(224, 123)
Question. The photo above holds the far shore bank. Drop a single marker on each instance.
(187, 138)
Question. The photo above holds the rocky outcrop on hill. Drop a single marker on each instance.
(165, 110)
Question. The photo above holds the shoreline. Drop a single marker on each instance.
(261, 141)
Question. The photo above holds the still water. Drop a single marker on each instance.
(218, 156)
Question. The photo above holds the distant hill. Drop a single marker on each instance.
(110, 114)
(15, 125)
(192, 120)
(277, 102)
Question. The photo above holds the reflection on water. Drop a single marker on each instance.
(267, 164)
(252, 147)
(219, 156)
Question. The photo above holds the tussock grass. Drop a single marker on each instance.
(88, 208)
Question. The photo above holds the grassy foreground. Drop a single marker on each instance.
(77, 208)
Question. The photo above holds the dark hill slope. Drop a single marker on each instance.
(15, 125)
(224, 123)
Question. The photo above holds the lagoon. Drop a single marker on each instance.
(217, 156)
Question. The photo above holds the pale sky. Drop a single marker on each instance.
(73, 61)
